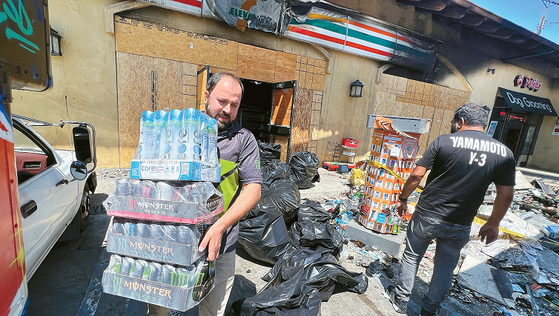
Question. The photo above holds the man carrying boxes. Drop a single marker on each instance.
(240, 184)
(167, 280)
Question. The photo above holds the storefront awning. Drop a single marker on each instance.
(527, 103)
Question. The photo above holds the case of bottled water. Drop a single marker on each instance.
(177, 145)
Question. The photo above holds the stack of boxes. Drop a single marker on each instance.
(155, 234)
(392, 154)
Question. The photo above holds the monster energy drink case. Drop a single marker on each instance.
(25, 44)
(176, 287)
(161, 242)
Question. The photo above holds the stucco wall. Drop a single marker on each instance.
(546, 153)
(343, 116)
(84, 78)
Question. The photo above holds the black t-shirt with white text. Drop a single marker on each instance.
(463, 165)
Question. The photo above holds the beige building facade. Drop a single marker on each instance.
(127, 57)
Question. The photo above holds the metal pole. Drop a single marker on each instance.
(542, 20)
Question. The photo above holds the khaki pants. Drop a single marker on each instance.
(215, 302)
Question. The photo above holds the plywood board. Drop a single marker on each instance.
(302, 112)
(201, 89)
(188, 101)
(412, 110)
(385, 103)
(143, 38)
(401, 85)
(168, 84)
(134, 96)
(318, 82)
(315, 118)
(281, 108)
(309, 80)
(284, 142)
(448, 115)
(285, 67)
(319, 69)
(436, 124)
(256, 63)
(428, 112)
(443, 98)
(320, 63)
(144, 83)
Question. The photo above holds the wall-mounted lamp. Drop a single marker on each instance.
(491, 70)
(55, 43)
(356, 89)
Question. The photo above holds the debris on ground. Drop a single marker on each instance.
(516, 275)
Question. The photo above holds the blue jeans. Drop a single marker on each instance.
(451, 238)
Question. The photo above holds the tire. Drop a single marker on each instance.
(83, 212)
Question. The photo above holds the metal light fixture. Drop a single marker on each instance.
(356, 89)
(55, 43)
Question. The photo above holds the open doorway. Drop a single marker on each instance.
(256, 108)
(516, 130)
(266, 109)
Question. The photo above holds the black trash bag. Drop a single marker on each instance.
(289, 298)
(264, 237)
(294, 258)
(314, 212)
(284, 193)
(314, 234)
(273, 171)
(304, 169)
(269, 152)
(262, 209)
(321, 271)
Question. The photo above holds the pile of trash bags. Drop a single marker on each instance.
(300, 239)
(304, 169)
(269, 151)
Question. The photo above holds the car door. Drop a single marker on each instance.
(46, 194)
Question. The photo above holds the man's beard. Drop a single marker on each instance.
(453, 128)
(220, 125)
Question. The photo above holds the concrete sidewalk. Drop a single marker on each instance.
(548, 177)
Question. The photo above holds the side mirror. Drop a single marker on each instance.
(82, 144)
(78, 170)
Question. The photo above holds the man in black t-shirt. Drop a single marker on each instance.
(463, 164)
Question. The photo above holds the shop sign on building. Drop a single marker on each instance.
(528, 103)
(267, 16)
(360, 35)
(527, 82)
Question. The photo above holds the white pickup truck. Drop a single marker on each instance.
(54, 187)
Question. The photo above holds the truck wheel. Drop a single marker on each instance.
(83, 212)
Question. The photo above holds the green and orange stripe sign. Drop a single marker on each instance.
(360, 37)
